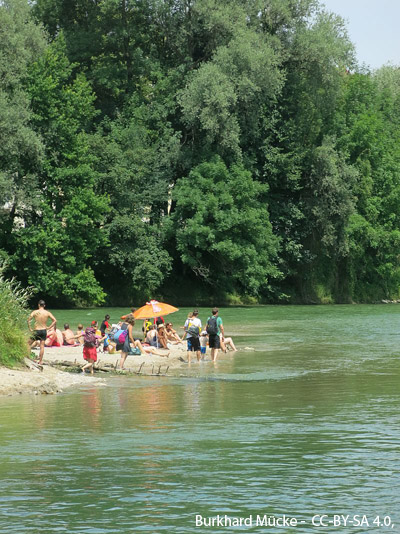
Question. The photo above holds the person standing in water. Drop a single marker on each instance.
(215, 331)
(40, 317)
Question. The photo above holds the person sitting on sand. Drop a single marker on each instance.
(162, 338)
(126, 347)
(152, 337)
(54, 337)
(68, 335)
(171, 334)
(79, 333)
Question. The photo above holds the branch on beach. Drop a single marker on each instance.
(108, 368)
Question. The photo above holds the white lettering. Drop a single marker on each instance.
(319, 520)
(249, 521)
(339, 520)
(262, 521)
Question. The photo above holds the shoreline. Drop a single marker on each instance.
(18, 381)
(51, 380)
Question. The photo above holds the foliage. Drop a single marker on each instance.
(21, 148)
(61, 233)
(222, 230)
(13, 315)
(198, 149)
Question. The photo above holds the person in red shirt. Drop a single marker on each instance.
(105, 325)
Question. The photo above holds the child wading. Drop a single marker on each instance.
(90, 342)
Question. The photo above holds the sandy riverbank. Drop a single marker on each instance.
(52, 380)
(34, 381)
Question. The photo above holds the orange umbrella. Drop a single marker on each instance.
(154, 309)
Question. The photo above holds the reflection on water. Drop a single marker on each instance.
(307, 423)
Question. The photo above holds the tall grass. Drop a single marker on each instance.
(13, 315)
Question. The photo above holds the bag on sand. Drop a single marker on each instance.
(212, 326)
(89, 337)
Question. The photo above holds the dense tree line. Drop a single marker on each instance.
(186, 149)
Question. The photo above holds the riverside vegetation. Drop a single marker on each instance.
(13, 313)
(192, 149)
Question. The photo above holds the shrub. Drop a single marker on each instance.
(13, 315)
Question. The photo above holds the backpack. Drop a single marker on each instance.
(193, 330)
(212, 326)
(89, 337)
(120, 336)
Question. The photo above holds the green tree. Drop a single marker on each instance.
(222, 231)
(306, 172)
(227, 101)
(21, 149)
(55, 248)
(137, 155)
(108, 39)
(371, 134)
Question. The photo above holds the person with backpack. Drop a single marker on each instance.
(214, 329)
(124, 337)
(193, 329)
(125, 345)
(90, 344)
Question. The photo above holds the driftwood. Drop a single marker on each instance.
(34, 366)
(107, 368)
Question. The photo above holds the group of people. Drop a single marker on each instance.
(158, 336)
(213, 334)
(108, 338)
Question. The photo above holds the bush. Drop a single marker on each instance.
(13, 315)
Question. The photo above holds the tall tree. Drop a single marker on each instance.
(55, 249)
(222, 230)
(21, 149)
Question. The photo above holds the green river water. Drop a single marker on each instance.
(305, 424)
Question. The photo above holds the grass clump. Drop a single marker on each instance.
(13, 315)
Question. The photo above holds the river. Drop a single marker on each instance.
(303, 421)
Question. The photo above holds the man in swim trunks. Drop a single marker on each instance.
(40, 316)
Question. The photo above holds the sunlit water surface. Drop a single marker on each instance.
(303, 420)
